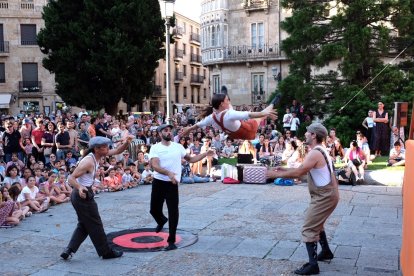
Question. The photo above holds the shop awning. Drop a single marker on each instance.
(5, 100)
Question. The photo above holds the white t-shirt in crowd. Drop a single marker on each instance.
(26, 190)
(170, 159)
(231, 120)
(287, 118)
(294, 124)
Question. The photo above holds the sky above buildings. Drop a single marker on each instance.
(189, 8)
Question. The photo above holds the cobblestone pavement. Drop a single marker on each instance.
(242, 230)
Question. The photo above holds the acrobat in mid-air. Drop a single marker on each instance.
(237, 124)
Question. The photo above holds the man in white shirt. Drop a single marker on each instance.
(165, 158)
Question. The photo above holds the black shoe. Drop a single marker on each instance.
(171, 246)
(67, 253)
(308, 269)
(325, 255)
(160, 226)
(113, 254)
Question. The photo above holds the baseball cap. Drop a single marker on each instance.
(27, 121)
(161, 127)
(318, 129)
(99, 141)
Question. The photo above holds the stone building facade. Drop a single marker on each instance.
(189, 79)
(25, 85)
(240, 46)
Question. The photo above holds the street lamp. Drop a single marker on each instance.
(167, 11)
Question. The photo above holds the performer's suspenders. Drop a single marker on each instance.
(220, 123)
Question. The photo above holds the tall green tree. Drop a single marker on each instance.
(102, 51)
(356, 38)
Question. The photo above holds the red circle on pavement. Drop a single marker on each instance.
(126, 240)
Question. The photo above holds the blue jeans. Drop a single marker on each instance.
(194, 179)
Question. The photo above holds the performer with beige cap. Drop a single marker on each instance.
(323, 189)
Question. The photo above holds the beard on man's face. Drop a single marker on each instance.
(166, 137)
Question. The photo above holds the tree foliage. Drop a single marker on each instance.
(102, 51)
(356, 39)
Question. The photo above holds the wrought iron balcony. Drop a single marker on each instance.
(196, 58)
(195, 37)
(178, 31)
(30, 86)
(242, 53)
(179, 54)
(29, 42)
(4, 47)
(157, 91)
(4, 5)
(178, 76)
(197, 79)
(27, 5)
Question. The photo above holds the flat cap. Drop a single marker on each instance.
(318, 129)
(161, 127)
(99, 141)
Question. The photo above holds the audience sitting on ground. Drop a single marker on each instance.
(247, 148)
(31, 197)
(356, 160)
(12, 176)
(397, 155)
(187, 177)
(127, 179)
(147, 175)
(288, 152)
(112, 182)
(337, 152)
(228, 150)
(50, 190)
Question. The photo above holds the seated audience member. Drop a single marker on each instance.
(289, 151)
(187, 176)
(126, 160)
(16, 162)
(140, 162)
(63, 185)
(397, 155)
(135, 174)
(363, 144)
(147, 175)
(7, 205)
(52, 162)
(248, 148)
(30, 197)
(338, 152)
(112, 182)
(12, 176)
(266, 151)
(228, 150)
(69, 159)
(127, 179)
(50, 190)
(26, 174)
(356, 160)
(18, 211)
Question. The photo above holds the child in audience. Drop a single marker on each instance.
(62, 184)
(135, 174)
(112, 182)
(30, 197)
(49, 189)
(147, 175)
(127, 179)
(69, 160)
(38, 175)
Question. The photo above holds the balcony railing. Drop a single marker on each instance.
(4, 47)
(197, 78)
(195, 58)
(179, 53)
(179, 76)
(157, 90)
(258, 97)
(29, 42)
(195, 37)
(27, 6)
(178, 31)
(4, 5)
(242, 53)
(30, 86)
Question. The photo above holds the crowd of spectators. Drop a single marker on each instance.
(38, 152)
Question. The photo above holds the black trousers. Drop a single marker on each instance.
(89, 224)
(165, 191)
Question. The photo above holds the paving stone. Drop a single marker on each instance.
(347, 252)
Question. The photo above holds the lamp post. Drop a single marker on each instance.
(167, 11)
